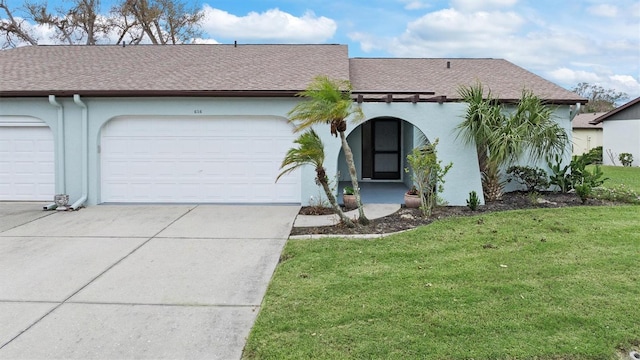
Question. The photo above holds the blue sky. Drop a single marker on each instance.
(565, 41)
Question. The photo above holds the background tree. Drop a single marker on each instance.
(310, 151)
(502, 137)
(136, 21)
(328, 101)
(76, 25)
(160, 21)
(14, 30)
(600, 99)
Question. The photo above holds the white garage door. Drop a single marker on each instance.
(210, 160)
(26, 160)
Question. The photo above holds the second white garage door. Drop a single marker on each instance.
(26, 159)
(207, 160)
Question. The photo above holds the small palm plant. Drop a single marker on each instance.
(310, 151)
(328, 101)
(502, 137)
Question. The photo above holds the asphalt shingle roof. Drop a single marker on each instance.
(283, 70)
(169, 67)
(581, 121)
(505, 79)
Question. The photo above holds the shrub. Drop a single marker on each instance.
(576, 173)
(533, 197)
(626, 159)
(594, 155)
(531, 178)
(583, 191)
(560, 175)
(580, 174)
(427, 174)
(619, 193)
(473, 201)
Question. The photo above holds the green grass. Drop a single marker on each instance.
(535, 284)
(629, 176)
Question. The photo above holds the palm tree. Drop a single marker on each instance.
(329, 101)
(310, 151)
(504, 137)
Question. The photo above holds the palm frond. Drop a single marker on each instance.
(505, 137)
(310, 151)
(481, 117)
(545, 137)
(326, 100)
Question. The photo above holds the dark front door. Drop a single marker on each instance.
(381, 149)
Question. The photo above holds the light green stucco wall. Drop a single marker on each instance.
(434, 120)
(561, 115)
(101, 110)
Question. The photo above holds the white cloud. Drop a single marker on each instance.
(560, 52)
(474, 5)
(451, 24)
(599, 76)
(634, 10)
(204, 41)
(367, 42)
(604, 10)
(414, 4)
(272, 25)
(43, 34)
(565, 75)
(627, 84)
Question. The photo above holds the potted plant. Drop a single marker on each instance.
(412, 198)
(349, 198)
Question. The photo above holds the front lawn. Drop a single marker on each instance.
(544, 284)
(629, 176)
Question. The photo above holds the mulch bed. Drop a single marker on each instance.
(405, 219)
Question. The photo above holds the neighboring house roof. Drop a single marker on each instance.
(167, 69)
(251, 70)
(615, 111)
(581, 121)
(445, 76)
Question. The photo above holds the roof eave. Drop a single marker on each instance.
(233, 93)
(152, 93)
(545, 101)
(614, 111)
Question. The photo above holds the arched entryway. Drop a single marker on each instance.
(380, 146)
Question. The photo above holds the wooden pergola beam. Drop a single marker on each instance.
(393, 96)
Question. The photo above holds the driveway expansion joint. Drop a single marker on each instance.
(164, 304)
(94, 278)
(170, 290)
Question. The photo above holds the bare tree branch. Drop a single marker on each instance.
(78, 24)
(162, 21)
(600, 99)
(10, 28)
(136, 21)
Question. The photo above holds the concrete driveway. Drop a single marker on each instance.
(135, 282)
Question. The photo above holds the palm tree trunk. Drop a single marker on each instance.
(332, 200)
(348, 154)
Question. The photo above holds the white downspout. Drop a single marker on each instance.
(574, 112)
(85, 153)
(60, 181)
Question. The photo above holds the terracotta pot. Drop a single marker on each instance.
(349, 201)
(412, 201)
